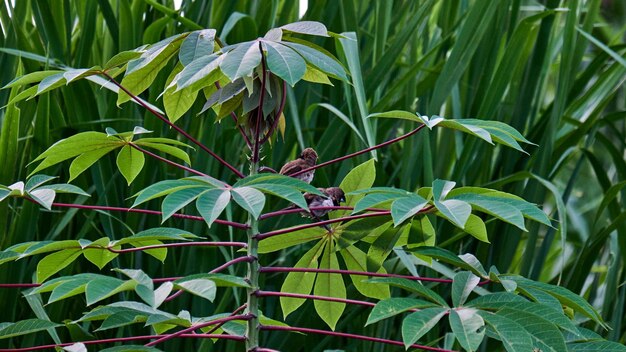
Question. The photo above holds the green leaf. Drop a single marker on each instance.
(275, 243)
(104, 287)
(290, 194)
(329, 285)
(121, 58)
(204, 288)
(242, 60)
(201, 72)
(306, 27)
(468, 327)
(300, 282)
(157, 233)
(250, 199)
(177, 101)
(447, 257)
(373, 200)
(120, 319)
(502, 208)
(197, 44)
(211, 203)
(130, 161)
(56, 262)
(545, 335)
(406, 207)
(32, 77)
(463, 284)
(25, 327)
(565, 296)
(175, 201)
(85, 160)
(74, 285)
(411, 286)
(100, 256)
(475, 226)
(74, 146)
(390, 307)
(359, 178)
(285, 62)
(383, 245)
(597, 346)
(455, 211)
(43, 196)
(277, 179)
(513, 335)
(168, 149)
(220, 280)
(65, 188)
(356, 260)
(162, 188)
(36, 181)
(319, 60)
(142, 72)
(417, 324)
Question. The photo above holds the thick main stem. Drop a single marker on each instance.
(252, 310)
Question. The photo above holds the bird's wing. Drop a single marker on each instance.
(291, 168)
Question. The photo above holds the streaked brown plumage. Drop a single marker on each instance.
(333, 197)
(307, 159)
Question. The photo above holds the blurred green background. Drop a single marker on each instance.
(554, 70)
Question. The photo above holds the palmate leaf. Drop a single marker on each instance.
(413, 287)
(489, 131)
(88, 147)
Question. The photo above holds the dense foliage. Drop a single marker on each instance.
(492, 61)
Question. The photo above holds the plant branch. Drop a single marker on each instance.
(196, 327)
(321, 298)
(246, 259)
(124, 339)
(384, 144)
(352, 336)
(268, 135)
(259, 115)
(143, 211)
(262, 236)
(169, 162)
(176, 128)
(235, 312)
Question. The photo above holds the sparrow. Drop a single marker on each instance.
(307, 159)
(333, 196)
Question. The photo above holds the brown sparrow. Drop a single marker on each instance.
(307, 159)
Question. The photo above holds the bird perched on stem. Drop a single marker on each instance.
(333, 196)
(307, 159)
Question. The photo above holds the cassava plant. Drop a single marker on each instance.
(247, 83)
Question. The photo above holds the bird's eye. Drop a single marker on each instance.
(342, 200)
